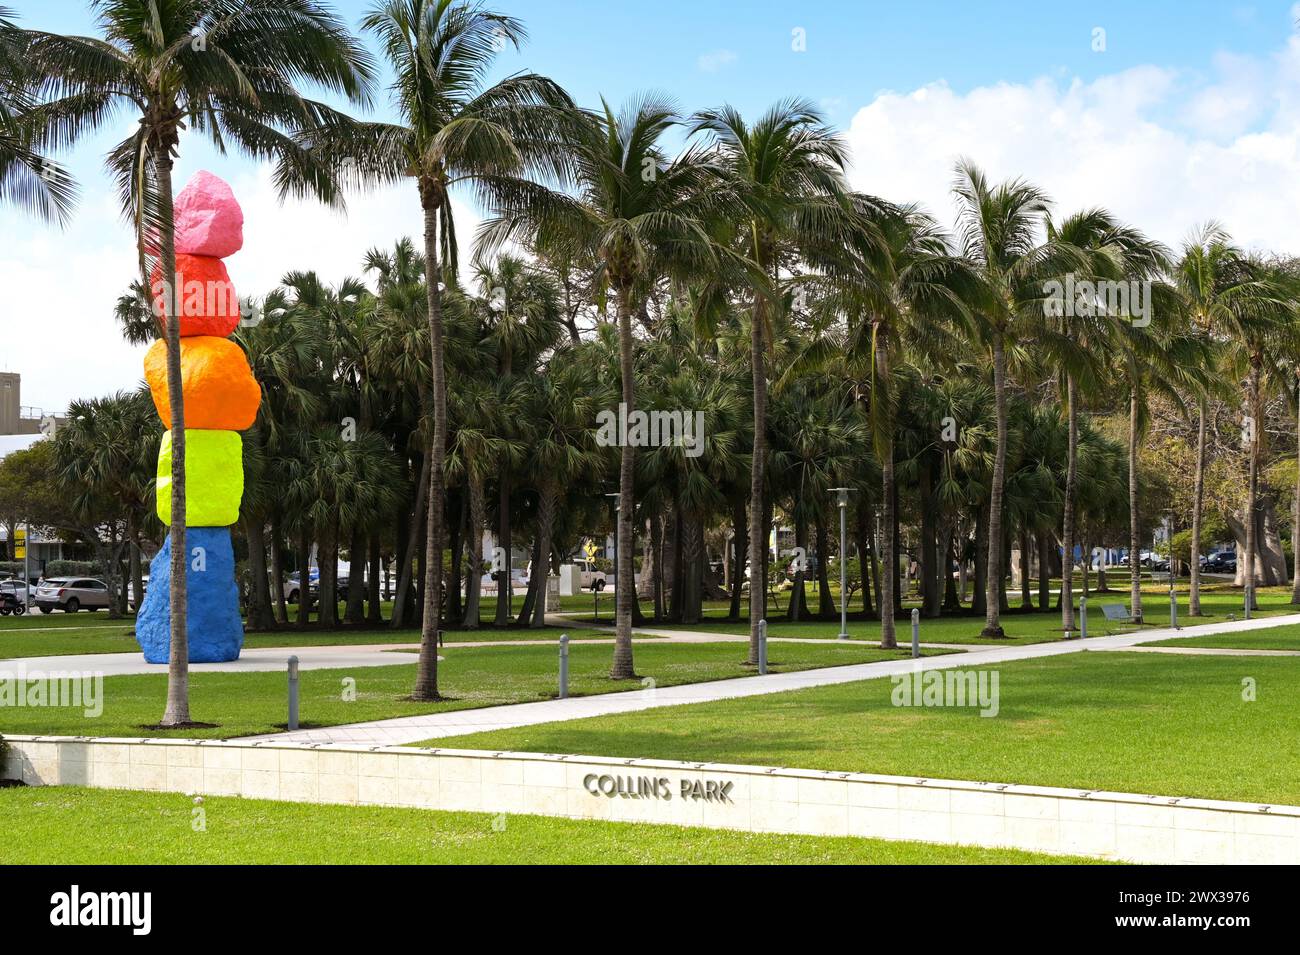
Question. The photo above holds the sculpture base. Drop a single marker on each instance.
(213, 624)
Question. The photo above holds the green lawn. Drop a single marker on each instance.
(65, 825)
(1276, 638)
(116, 638)
(1133, 722)
(248, 703)
(1218, 604)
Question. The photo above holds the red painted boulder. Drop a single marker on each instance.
(205, 297)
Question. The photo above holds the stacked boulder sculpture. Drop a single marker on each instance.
(220, 400)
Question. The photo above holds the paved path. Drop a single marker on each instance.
(411, 729)
(251, 660)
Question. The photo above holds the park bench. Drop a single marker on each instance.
(1116, 614)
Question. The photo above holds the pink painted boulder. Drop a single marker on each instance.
(208, 219)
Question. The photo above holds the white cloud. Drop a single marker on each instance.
(1088, 144)
(715, 60)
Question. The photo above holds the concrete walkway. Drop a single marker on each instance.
(411, 729)
(251, 660)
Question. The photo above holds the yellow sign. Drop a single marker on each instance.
(590, 550)
(20, 543)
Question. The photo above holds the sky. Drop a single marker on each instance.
(1167, 113)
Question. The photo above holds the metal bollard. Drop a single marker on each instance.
(762, 647)
(293, 693)
(1083, 618)
(564, 666)
(1173, 607)
(916, 633)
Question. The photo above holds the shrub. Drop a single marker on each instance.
(74, 568)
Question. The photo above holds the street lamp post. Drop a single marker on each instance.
(843, 501)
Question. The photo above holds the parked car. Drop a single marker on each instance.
(1222, 563)
(340, 586)
(293, 583)
(71, 594)
(590, 576)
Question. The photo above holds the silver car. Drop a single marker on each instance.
(71, 594)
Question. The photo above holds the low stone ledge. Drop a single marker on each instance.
(1113, 825)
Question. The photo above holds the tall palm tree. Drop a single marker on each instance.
(522, 320)
(227, 68)
(639, 215)
(1230, 299)
(560, 407)
(453, 129)
(1001, 230)
(1152, 353)
(786, 172)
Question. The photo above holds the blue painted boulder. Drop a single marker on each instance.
(216, 632)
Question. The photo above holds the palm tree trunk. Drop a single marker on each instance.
(407, 552)
(825, 602)
(356, 604)
(1071, 504)
(505, 584)
(625, 584)
(261, 616)
(1252, 487)
(1134, 520)
(547, 500)
(885, 450)
(797, 609)
(740, 523)
(757, 523)
(1198, 499)
(277, 570)
(993, 568)
(328, 559)
(476, 524)
(930, 593)
(177, 710)
(1044, 569)
(426, 674)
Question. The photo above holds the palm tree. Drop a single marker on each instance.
(27, 178)
(227, 68)
(453, 130)
(1001, 232)
(1152, 354)
(898, 284)
(522, 321)
(639, 215)
(560, 407)
(1229, 298)
(786, 171)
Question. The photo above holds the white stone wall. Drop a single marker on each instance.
(1155, 829)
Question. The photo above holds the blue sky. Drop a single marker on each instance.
(1190, 111)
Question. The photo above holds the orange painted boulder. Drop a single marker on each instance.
(205, 297)
(220, 391)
